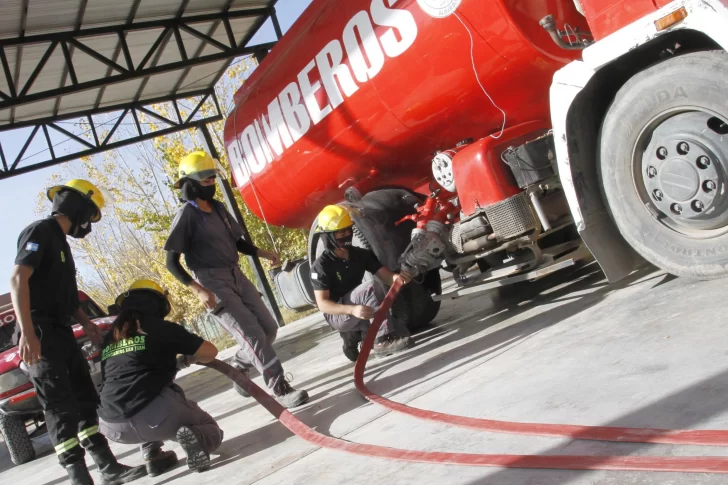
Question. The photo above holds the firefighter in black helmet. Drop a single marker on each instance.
(45, 298)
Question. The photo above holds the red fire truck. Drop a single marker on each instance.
(506, 134)
(19, 406)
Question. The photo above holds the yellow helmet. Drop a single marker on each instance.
(85, 188)
(197, 166)
(147, 285)
(333, 218)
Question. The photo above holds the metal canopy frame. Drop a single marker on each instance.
(120, 67)
(125, 70)
(101, 140)
(166, 54)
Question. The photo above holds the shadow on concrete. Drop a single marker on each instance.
(675, 405)
(514, 304)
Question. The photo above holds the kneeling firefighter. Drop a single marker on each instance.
(45, 298)
(140, 404)
(347, 302)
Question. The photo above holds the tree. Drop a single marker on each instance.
(128, 243)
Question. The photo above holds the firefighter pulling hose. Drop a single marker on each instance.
(348, 302)
(140, 404)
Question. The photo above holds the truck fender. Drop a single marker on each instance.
(580, 95)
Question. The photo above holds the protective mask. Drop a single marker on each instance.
(342, 243)
(207, 192)
(192, 189)
(78, 209)
(80, 231)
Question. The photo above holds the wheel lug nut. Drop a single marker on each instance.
(683, 148)
(703, 162)
(676, 208)
(651, 171)
(662, 153)
(709, 186)
(657, 194)
(698, 206)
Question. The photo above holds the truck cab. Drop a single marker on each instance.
(21, 414)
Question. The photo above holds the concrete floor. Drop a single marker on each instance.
(648, 352)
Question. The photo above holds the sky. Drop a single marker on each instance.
(18, 195)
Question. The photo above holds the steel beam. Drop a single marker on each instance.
(97, 143)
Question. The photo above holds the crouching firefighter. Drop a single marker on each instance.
(140, 404)
(346, 301)
(210, 239)
(45, 298)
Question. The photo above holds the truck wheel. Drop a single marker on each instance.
(16, 439)
(663, 164)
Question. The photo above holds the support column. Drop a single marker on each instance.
(227, 194)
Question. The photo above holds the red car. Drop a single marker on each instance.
(19, 406)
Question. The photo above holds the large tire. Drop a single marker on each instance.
(16, 439)
(647, 175)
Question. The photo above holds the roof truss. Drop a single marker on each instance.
(121, 66)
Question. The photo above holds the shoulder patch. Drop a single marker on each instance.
(31, 246)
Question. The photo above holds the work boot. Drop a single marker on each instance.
(239, 367)
(78, 473)
(197, 458)
(287, 396)
(351, 344)
(158, 461)
(391, 345)
(113, 472)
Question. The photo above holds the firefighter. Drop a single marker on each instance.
(210, 239)
(347, 302)
(45, 298)
(140, 404)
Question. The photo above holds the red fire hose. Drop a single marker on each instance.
(560, 462)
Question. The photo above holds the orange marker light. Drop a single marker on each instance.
(671, 19)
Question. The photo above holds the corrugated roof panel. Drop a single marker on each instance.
(31, 56)
(241, 27)
(87, 67)
(237, 4)
(161, 84)
(34, 110)
(120, 92)
(170, 53)
(78, 101)
(158, 9)
(201, 76)
(45, 16)
(51, 75)
(140, 41)
(199, 7)
(11, 12)
(193, 44)
(106, 12)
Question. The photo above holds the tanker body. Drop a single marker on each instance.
(497, 139)
(359, 86)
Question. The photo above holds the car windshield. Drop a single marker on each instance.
(92, 309)
(6, 337)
